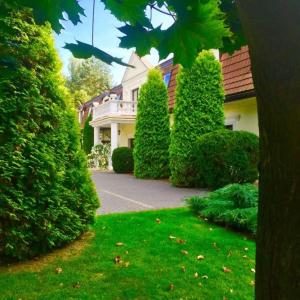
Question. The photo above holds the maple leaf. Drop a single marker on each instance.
(83, 50)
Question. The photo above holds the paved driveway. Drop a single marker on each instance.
(123, 192)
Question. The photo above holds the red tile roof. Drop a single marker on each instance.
(237, 76)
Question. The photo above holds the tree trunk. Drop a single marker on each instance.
(272, 28)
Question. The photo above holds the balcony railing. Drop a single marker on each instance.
(115, 108)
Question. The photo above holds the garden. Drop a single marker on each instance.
(226, 245)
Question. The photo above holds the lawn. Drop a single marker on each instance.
(165, 254)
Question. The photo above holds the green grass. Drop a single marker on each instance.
(155, 262)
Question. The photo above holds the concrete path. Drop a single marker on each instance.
(123, 192)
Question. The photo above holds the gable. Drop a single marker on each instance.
(140, 66)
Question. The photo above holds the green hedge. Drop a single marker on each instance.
(46, 195)
(152, 137)
(198, 110)
(234, 205)
(88, 136)
(122, 160)
(226, 156)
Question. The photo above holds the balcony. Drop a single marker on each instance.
(114, 110)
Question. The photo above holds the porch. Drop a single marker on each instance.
(114, 122)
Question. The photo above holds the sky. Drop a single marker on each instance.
(105, 36)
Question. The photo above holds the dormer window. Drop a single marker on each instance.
(167, 78)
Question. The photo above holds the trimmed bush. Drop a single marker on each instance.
(234, 205)
(226, 156)
(47, 198)
(152, 137)
(122, 160)
(198, 110)
(88, 136)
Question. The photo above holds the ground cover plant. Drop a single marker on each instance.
(225, 156)
(122, 160)
(46, 195)
(167, 254)
(234, 205)
(152, 136)
(198, 110)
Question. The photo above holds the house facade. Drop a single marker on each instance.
(114, 112)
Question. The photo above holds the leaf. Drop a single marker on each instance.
(119, 244)
(171, 286)
(253, 270)
(205, 277)
(226, 270)
(171, 237)
(183, 269)
(184, 252)
(117, 259)
(132, 11)
(196, 275)
(76, 285)
(180, 241)
(158, 221)
(83, 50)
(52, 11)
(58, 270)
(200, 257)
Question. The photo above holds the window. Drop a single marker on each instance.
(229, 126)
(167, 78)
(135, 94)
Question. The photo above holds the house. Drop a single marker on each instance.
(114, 112)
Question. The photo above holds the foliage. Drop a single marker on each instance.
(227, 156)
(234, 205)
(152, 134)
(90, 75)
(46, 195)
(88, 136)
(150, 262)
(122, 160)
(99, 156)
(196, 24)
(198, 110)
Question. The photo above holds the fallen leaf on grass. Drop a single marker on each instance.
(118, 244)
(231, 291)
(179, 241)
(210, 229)
(229, 253)
(171, 237)
(171, 287)
(245, 256)
(205, 277)
(58, 270)
(117, 260)
(246, 249)
(226, 270)
(252, 282)
(200, 284)
(158, 221)
(184, 252)
(253, 270)
(76, 285)
(183, 269)
(200, 257)
(196, 275)
(126, 264)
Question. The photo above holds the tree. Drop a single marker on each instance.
(88, 78)
(271, 29)
(198, 110)
(88, 136)
(46, 195)
(152, 136)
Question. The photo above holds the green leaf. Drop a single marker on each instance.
(140, 38)
(52, 11)
(83, 50)
(132, 11)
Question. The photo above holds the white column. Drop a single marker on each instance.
(113, 140)
(96, 135)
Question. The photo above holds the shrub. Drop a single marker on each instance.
(88, 136)
(198, 110)
(152, 137)
(46, 195)
(122, 160)
(99, 156)
(226, 156)
(234, 205)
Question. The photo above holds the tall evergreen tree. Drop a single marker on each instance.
(198, 110)
(152, 135)
(46, 195)
(88, 136)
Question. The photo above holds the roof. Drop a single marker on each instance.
(237, 75)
